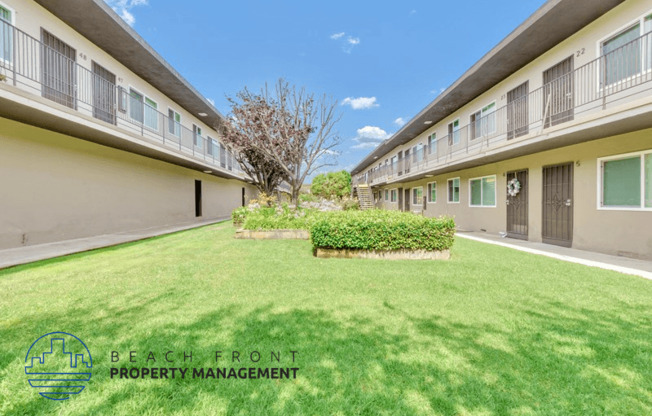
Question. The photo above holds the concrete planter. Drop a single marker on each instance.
(273, 234)
(327, 253)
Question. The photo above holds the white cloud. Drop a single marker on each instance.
(360, 103)
(438, 91)
(123, 8)
(413, 11)
(369, 137)
(399, 122)
(348, 42)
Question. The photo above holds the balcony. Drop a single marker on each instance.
(38, 69)
(600, 89)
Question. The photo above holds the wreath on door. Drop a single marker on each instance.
(513, 187)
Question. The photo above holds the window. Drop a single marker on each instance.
(151, 115)
(483, 121)
(626, 54)
(417, 153)
(432, 144)
(417, 195)
(136, 105)
(454, 190)
(122, 100)
(432, 192)
(386, 194)
(196, 135)
(174, 122)
(209, 145)
(394, 162)
(454, 132)
(393, 195)
(626, 181)
(483, 191)
(6, 35)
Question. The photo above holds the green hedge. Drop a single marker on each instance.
(382, 230)
(275, 218)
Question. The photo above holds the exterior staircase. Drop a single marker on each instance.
(365, 197)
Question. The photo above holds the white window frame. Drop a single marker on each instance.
(483, 116)
(448, 193)
(197, 136)
(432, 139)
(10, 63)
(129, 89)
(451, 132)
(393, 195)
(480, 178)
(155, 109)
(420, 203)
(177, 125)
(434, 185)
(598, 48)
(599, 181)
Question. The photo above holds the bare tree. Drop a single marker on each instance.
(245, 135)
(292, 128)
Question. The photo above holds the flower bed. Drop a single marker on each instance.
(381, 231)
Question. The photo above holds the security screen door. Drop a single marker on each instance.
(558, 93)
(557, 227)
(58, 70)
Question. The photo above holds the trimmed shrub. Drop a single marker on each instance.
(381, 230)
(280, 218)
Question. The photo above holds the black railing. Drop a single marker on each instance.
(32, 65)
(624, 73)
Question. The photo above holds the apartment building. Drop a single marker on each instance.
(547, 138)
(98, 133)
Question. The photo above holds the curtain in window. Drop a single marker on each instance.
(622, 55)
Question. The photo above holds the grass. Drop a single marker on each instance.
(490, 332)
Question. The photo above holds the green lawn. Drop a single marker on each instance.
(491, 332)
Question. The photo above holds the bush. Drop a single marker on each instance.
(280, 218)
(381, 230)
(350, 204)
(332, 185)
(308, 198)
(238, 215)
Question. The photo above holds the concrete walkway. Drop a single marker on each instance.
(21, 255)
(625, 265)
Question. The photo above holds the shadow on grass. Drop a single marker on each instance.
(552, 359)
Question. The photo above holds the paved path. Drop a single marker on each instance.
(625, 265)
(21, 255)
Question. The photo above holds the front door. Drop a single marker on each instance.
(103, 94)
(400, 199)
(406, 199)
(558, 93)
(557, 227)
(517, 204)
(58, 70)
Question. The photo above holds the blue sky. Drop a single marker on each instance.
(383, 61)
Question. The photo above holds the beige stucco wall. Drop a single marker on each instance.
(30, 17)
(55, 187)
(621, 232)
(584, 46)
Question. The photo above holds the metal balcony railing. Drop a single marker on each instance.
(34, 66)
(622, 74)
